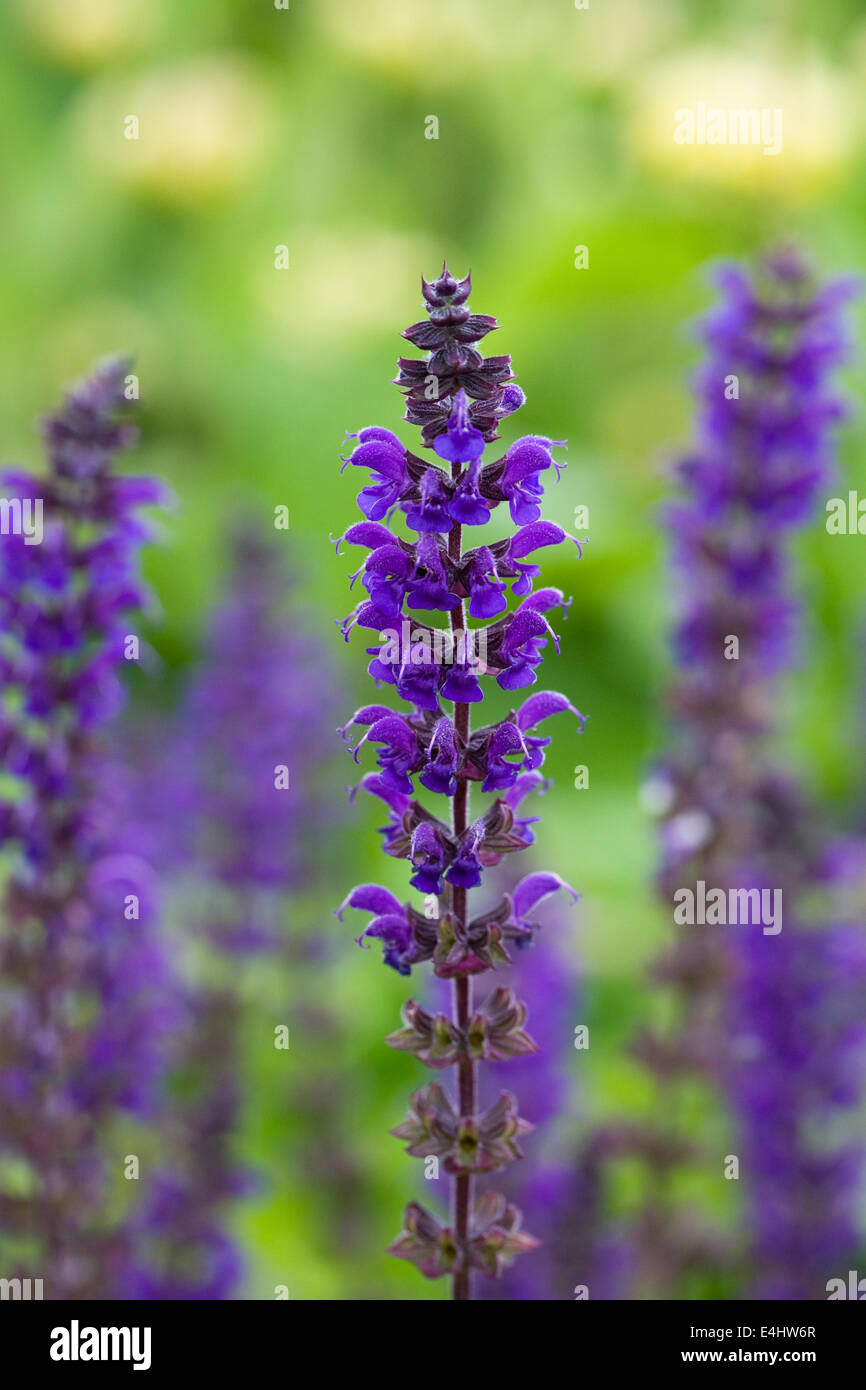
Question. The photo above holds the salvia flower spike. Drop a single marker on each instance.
(768, 407)
(439, 668)
(81, 1000)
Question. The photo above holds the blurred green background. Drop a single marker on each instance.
(261, 127)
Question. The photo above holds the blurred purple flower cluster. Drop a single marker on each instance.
(768, 1018)
(146, 859)
(236, 819)
(84, 1018)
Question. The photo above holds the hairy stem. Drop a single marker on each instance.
(462, 983)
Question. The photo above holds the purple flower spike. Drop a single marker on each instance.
(449, 857)
(212, 814)
(764, 1015)
(87, 997)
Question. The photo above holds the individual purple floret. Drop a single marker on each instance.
(458, 398)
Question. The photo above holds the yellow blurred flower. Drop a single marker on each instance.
(181, 135)
(383, 33)
(596, 45)
(608, 42)
(439, 45)
(339, 285)
(686, 111)
(86, 33)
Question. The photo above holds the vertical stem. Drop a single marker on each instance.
(462, 983)
(462, 1015)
